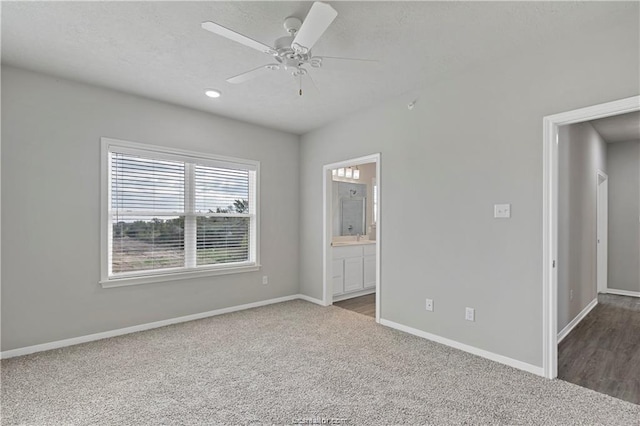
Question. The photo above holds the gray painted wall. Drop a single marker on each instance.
(623, 165)
(51, 130)
(472, 140)
(581, 153)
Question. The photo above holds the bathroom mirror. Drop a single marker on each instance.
(352, 216)
(349, 209)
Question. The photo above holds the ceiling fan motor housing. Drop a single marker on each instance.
(290, 59)
(283, 44)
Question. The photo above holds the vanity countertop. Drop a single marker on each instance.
(352, 243)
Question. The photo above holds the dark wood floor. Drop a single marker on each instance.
(603, 352)
(365, 305)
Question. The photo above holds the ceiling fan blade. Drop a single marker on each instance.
(320, 16)
(237, 37)
(343, 64)
(246, 76)
(313, 83)
(331, 58)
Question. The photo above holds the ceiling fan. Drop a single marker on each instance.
(291, 53)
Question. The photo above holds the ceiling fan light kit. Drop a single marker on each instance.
(292, 52)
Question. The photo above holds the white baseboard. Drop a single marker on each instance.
(354, 294)
(623, 292)
(572, 324)
(142, 327)
(466, 348)
(311, 299)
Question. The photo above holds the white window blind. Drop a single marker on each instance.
(173, 212)
(223, 223)
(147, 203)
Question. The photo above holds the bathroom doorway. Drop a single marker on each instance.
(351, 235)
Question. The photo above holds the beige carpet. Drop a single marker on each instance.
(290, 363)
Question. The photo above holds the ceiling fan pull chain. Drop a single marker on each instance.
(300, 85)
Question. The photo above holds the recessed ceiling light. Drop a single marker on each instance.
(212, 93)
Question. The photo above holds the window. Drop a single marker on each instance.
(170, 213)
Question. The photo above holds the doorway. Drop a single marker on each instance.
(351, 231)
(550, 215)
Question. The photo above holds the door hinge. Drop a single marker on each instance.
(554, 263)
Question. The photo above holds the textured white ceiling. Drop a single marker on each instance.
(619, 128)
(158, 50)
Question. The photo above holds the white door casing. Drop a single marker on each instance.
(327, 264)
(602, 232)
(550, 216)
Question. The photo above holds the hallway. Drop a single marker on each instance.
(603, 352)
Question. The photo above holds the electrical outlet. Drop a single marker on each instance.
(571, 294)
(429, 305)
(470, 314)
(265, 280)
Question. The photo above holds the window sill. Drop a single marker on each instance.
(176, 276)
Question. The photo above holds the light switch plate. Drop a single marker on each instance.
(502, 211)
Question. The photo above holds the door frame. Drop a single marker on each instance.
(327, 208)
(602, 229)
(550, 216)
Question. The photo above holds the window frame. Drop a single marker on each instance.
(109, 145)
